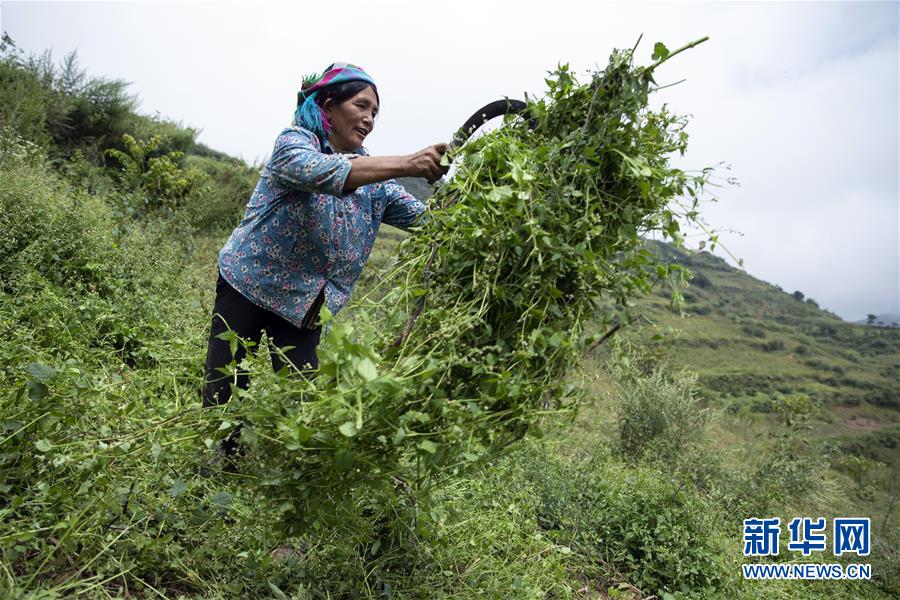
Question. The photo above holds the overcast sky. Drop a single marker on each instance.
(800, 98)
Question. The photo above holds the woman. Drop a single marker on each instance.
(310, 225)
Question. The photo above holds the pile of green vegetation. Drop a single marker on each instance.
(393, 473)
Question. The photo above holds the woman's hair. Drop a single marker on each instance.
(310, 114)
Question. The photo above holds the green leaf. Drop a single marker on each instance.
(276, 591)
(366, 368)
(348, 429)
(659, 51)
(222, 500)
(325, 315)
(178, 488)
(40, 371)
(304, 433)
(37, 390)
(428, 446)
(43, 445)
(232, 339)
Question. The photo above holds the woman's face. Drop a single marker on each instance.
(352, 120)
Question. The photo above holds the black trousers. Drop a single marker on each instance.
(232, 310)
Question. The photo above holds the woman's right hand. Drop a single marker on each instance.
(427, 162)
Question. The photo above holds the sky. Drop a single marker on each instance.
(798, 101)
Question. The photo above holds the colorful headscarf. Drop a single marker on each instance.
(339, 72)
(309, 114)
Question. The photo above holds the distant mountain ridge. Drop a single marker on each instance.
(882, 320)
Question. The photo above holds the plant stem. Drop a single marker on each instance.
(679, 51)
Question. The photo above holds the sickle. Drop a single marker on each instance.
(484, 114)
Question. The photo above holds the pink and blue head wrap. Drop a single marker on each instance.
(309, 114)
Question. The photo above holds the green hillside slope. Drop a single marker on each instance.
(750, 342)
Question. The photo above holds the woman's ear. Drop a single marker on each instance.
(326, 106)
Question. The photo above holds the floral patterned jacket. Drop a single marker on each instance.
(301, 233)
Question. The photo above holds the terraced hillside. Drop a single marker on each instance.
(752, 342)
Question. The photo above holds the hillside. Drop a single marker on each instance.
(750, 342)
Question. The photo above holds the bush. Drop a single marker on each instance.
(220, 205)
(700, 309)
(174, 137)
(64, 253)
(701, 281)
(773, 346)
(639, 522)
(23, 102)
(754, 330)
(156, 178)
(659, 416)
(889, 399)
(786, 466)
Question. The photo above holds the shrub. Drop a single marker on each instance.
(173, 136)
(701, 281)
(220, 204)
(157, 178)
(889, 398)
(701, 309)
(60, 107)
(23, 101)
(773, 346)
(659, 417)
(786, 465)
(860, 468)
(64, 250)
(87, 300)
(640, 522)
(753, 330)
(883, 445)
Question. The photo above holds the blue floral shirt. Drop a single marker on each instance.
(301, 233)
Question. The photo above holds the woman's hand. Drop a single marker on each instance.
(427, 163)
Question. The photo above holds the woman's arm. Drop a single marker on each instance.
(298, 163)
(371, 169)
